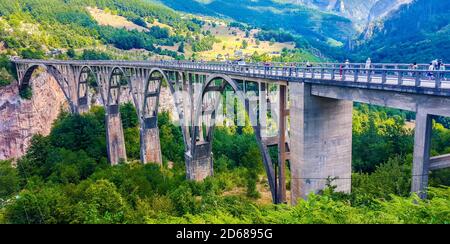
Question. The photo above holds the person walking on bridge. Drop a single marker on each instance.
(431, 70)
(442, 69)
(368, 63)
(347, 64)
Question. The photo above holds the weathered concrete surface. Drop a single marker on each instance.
(421, 160)
(200, 165)
(83, 106)
(440, 162)
(150, 146)
(434, 105)
(115, 139)
(321, 142)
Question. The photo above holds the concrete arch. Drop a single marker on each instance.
(116, 86)
(264, 151)
(54, 72)
(158, 90)
(181, 106)
(208, 82)
(83, 103)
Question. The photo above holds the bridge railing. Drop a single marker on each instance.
(391, 76)
(421, 66)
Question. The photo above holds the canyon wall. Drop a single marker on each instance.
(20, 119)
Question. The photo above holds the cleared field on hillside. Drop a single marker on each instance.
(109, 19)
(231, 43)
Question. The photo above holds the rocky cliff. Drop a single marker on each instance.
(21, 119)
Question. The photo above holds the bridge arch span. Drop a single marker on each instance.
(202, 144)
(83, 85)
(63, 83)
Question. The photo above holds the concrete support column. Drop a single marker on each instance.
(82, 106)
(150, 144)
(282, 145)
(200, 165)
(115, 140)
(321, 142)
(421, 161)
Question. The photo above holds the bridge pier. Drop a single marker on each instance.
(83, 105)
(150, 144)
(115, 140)
(200, 165)
(321, 142)
(421, 160)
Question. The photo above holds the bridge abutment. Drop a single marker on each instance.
(115, 140)
(321, 142)
(150, 144)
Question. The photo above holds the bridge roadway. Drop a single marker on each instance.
(314, 111)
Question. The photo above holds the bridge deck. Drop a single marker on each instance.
(399, 80)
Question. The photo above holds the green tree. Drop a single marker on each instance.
(71, 53)
(128, 115)
(244, 44)
(80, 132)
(9, 180)
(5, 77)
(100, 203)
(181, 47)
(48, 205)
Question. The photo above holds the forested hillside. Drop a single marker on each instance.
(122, 29)
(311, 24)
(67, 24)
(417, 32)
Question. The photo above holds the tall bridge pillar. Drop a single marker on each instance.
(200, 165)
(83, 105)
(421, 161)
(150, 145)
(115, 140)
(321, 142)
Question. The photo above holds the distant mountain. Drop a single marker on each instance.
(356, 10)
(418, 31)
(274, 14)
(382, 8)
(359, 11)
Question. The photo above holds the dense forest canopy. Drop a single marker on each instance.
(65, 178)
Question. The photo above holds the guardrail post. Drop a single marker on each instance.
(400, 78)
(369, 76)
(384, 77)
(356, 75)
(438, 82)
(417, 83)
(322, 73)
(332, 74)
